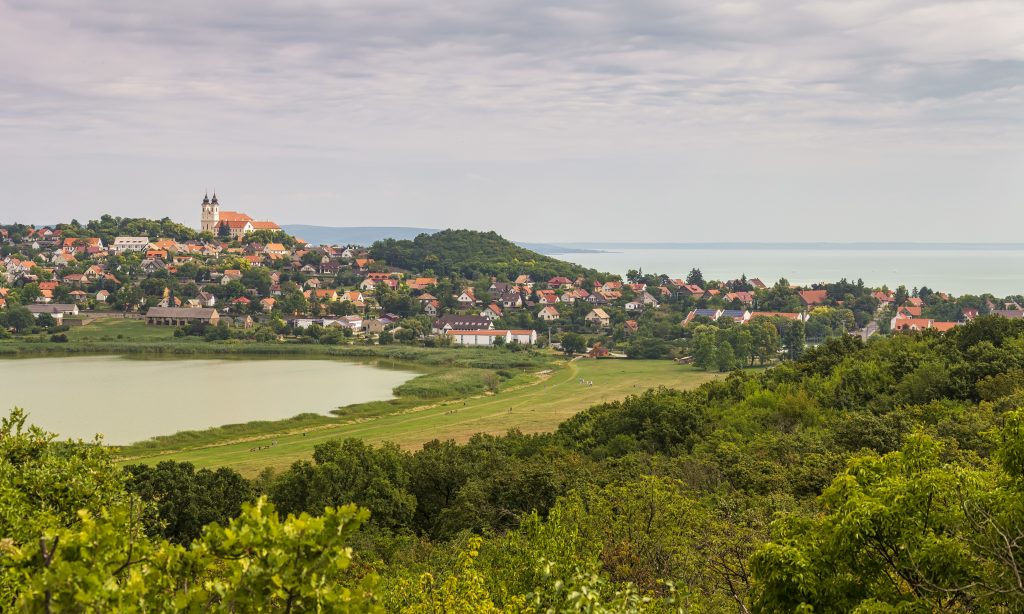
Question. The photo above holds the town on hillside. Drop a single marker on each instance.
(240, 278)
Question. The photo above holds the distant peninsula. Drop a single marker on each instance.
(367, 235)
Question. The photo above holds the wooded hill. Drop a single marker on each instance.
(878, 477)
(473, 255)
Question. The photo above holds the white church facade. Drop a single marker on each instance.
(229, 223)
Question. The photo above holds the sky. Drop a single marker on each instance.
(574, 120)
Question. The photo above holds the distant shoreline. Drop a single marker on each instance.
(612, 247)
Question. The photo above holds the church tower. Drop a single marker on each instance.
(211, 214)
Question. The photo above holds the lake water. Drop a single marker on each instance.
(128, 400)
(958, 271)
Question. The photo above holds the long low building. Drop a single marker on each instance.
(490, 337)
(181, 316)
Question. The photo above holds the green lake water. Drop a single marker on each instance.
(127, 400)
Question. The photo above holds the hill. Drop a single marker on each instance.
(473, 254)
(354, 235)
(367, 235)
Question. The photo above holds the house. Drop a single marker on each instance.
(598, 351)
(206, 299)
(129, 244)
(560, 283)
(461, 323)
(914, 301)
(713, 314)
(367, 285)
(885, 298)
(432, 308)
(81, 246)
(490, 337)
(547, 297)
(1013, 314)
(102, 296)
(77, 295)
(630, 327)
(778, 314)
(181, 316)
(739, 316)
(758, 284)
(523, 337)
(524, 280)
(909, 311)
(57, 310)
(275, 249)
(634, 305)
(649, 300)
(598, 317)
(231, 275)
(813, 297)
(548, 313)
(478, 337)
(467, 299)
(911, 324)
(745, 298)
(969, 313)
(492, 312)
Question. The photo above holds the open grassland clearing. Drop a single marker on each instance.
(533, 402)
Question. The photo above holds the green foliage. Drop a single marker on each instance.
(109, 227)
(186, 500)
(349, 471)
(472, 255)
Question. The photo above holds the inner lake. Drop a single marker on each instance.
(130, 399)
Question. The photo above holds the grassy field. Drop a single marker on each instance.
(116, 328)
(535, 407)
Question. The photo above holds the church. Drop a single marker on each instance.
(229, 223)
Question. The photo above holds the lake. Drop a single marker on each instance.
(958, 271)
(128, 399)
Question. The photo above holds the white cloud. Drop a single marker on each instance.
(395, 86)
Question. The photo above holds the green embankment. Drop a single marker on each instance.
(462, 391)
(536, 406)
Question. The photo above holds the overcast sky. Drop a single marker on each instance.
(689, 120)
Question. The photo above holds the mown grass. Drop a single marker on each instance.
(431, 387)
(528, 402)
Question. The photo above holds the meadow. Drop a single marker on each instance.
(532, 402)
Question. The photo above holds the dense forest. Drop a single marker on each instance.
(472, 255)
(877, 477)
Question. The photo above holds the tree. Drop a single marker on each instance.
(573, 343)
(17, 317)
(908, 532)
(695, 277)
(349, 471)
(186, 500)
(794, 339)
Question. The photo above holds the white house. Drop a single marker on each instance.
(130, 244)
(490, 337)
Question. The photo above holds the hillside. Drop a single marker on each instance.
(352, 235)
(473, 255)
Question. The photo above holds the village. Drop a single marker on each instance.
(243, 278)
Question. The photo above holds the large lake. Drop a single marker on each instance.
(958, 271)
(129, 399)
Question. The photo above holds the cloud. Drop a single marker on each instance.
(506, 81)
